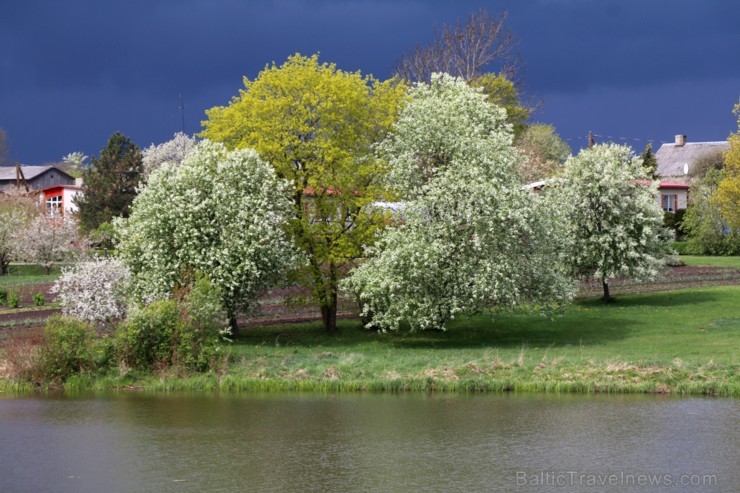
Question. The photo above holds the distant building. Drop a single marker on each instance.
(59, 201)
(37, 178)
(673, 196)
(676, 160)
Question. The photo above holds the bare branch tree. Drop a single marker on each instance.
(464, 50)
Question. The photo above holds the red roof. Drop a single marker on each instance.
(666, 184)
(70, 187)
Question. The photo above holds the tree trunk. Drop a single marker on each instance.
(4, 268)
(233, 324)
(605, 285)
(329, 314)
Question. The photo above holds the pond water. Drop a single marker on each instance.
(132, 442)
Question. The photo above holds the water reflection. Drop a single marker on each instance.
(134, 442)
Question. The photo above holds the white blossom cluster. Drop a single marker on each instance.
(48, 240)
(471, 238)
(12, 222)
(76, 159)
(173, 151)
(218, 213)
(93, 291)
(615, 223)
(447, 124)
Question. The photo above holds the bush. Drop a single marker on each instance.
(167, 334)
(144, 341)
(22, 355)
(69, 348)
(3, 296)
(14, 300)
(686, 248)
(93, 291)
(39, 299)
(673, 221)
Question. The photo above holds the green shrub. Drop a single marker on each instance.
(204, 319)
(3, 296)
(168, 334)
(674, 221)
(39, 299)
(145, 340)
(69, 348)
(686, 248)
(14, 299)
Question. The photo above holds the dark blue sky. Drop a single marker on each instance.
(73, 72)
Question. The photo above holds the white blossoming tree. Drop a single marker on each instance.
(219, 214)
(93, 291)
(173, 151)
(615, 224)
(75, 159)
(471, 238)
(48, 240)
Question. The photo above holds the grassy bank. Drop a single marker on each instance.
(683, 342)
(701, 261)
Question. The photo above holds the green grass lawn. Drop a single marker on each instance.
(711, 261)
(22, 274)
(684, 341)
(680, 342)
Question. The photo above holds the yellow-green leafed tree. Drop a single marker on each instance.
(727, 196)
(317, 126)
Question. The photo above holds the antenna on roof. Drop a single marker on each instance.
(182, 112)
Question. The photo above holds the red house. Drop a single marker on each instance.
(58, 201)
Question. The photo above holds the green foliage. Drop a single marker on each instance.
(707, 229)
(169, 334)
(14, 300)
(110, 183)
(649, 162)
(39, 299)
(544, 150)
(502, 92)
(204, 307)
(3, 296)
(683, 248)
(145, 339)
(673, 221)
(69, 348)
(317, 125)
(727, 196)
(103, 237)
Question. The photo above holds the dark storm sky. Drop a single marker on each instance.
(73, 72)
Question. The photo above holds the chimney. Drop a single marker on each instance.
(680, 140)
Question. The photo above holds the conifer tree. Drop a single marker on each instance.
(110, 183)
(649, 162)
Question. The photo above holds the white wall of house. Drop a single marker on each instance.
(68, 200)
(672, 199)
